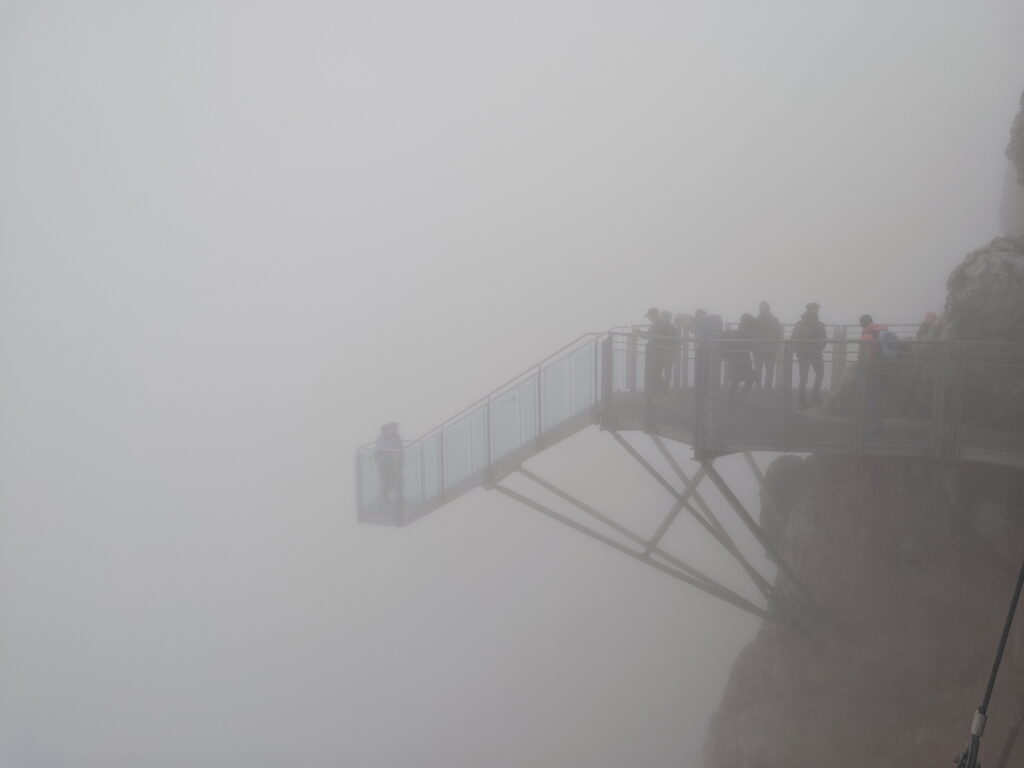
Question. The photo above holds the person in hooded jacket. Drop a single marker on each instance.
(809, 337)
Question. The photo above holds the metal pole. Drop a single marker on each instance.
(717, 530)
(703, 586)
(737, 505)
(969, 758)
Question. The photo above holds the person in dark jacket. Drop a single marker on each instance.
(389, 455)
(809, 337)
(735, 353)
(656, 352)
(768, 332)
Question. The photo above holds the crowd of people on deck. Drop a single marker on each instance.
(749, 360)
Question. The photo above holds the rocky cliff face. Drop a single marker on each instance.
(915, 563)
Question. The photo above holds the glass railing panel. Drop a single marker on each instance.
(739, 413)
(528, 418)
(412, 473)
(369, 479)
(430, 460)
(478, 438)
(899, 402)
(457, 452)
(556, 391)
(506, 423)
(584, 378)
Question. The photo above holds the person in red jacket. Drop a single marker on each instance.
(870, 357)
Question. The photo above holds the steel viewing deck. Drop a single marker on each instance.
(600, 379)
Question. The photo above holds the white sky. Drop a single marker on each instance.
(236, 237)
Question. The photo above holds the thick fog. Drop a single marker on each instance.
(235, 238)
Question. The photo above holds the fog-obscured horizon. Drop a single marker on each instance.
(235, 238)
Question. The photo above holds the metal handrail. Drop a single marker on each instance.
(501, 388)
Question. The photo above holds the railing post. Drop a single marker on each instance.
(631, 357)
(540, 403)
(423, 473)
(684, 364)
(607, 379)
(787, 394)
(441, 479)
(487, 438)
(359, 486)
(838, 363)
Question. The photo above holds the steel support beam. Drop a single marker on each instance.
(773, 553)
(715, 528)
(719, 532)
(649, 547)
(708, 588)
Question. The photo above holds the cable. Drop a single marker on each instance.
(969, 757)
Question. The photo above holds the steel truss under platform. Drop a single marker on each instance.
(781, 606)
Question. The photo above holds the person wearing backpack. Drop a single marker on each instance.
(811, 337)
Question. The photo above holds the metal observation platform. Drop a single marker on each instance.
(920, 399)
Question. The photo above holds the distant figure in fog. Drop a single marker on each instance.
(659, 344)
(706, 327)
(684, 328)
(809, 337)
(768, 332)
(671, 348)
(735, 353)
(926, 325)
(871, 360)
(389, 455)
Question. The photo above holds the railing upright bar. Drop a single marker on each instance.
(607, 379)
(940, 362)
(631, 361)
(787, 394)
(540, 404)
(488, 432)
(441, 479)
(838, 357)
(700, 397)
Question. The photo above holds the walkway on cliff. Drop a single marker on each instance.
(942, 401)
(925, 397)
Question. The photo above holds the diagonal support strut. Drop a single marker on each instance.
(715, 591)
(755, 529)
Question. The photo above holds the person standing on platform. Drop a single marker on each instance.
(871, 361)
(736, 348)
(389, 455)
(768, 332)
(659, 340)
(809, 337)
(670, 353)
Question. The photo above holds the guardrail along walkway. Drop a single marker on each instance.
(951, 401)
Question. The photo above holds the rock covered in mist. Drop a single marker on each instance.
(985, 300)
(914, 563)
